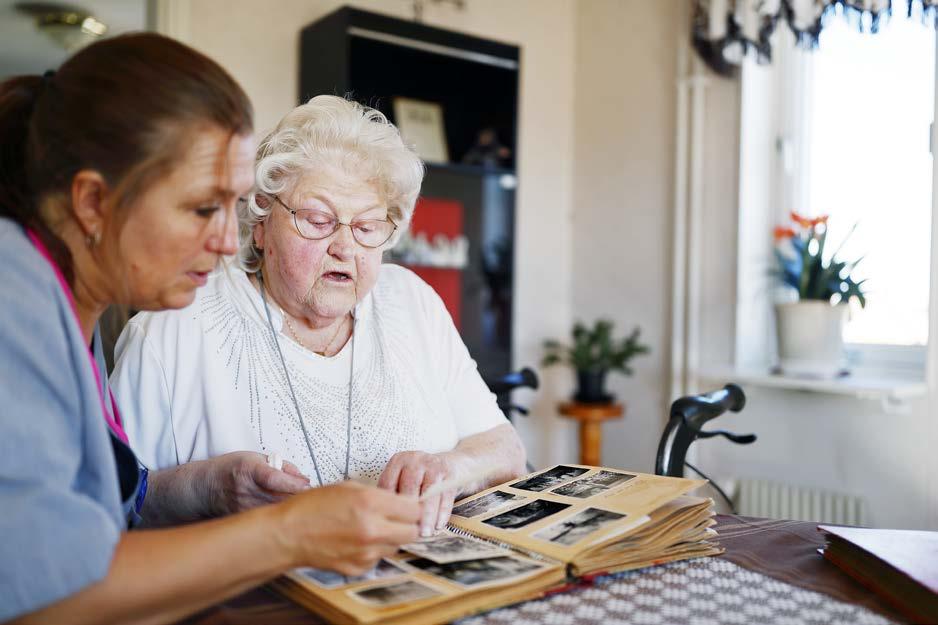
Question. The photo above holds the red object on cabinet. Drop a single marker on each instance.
(434, 217)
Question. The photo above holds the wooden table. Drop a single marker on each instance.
(591, 417)
(781, 550)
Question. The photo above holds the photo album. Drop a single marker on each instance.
(517, 541)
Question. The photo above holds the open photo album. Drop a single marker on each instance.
(517, 541)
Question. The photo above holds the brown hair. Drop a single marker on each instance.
(122, 107)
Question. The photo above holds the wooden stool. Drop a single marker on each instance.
(591, 417)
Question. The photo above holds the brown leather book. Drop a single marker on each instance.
(899, 565)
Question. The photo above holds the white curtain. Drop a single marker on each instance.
(724, 31)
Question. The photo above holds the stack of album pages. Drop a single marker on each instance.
(517, 541)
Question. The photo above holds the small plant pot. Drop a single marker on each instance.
(810, 338)
(591, 388)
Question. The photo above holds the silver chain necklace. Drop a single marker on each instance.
(296, 404)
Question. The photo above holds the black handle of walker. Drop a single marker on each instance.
(526, 378)
(504, 385)
(688, 415)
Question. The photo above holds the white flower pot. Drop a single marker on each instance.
(810, 338)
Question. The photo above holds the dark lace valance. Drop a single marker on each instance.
(725, 31)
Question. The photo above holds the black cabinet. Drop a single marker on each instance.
(373, 59)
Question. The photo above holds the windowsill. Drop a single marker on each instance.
(888, 387)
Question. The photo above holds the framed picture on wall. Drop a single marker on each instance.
(421, 125)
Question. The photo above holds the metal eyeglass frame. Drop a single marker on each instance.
(336, 229)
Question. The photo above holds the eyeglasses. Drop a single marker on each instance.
(317, 225)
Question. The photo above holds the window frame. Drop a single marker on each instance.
(790, 182)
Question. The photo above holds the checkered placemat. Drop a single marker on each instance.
(706, 591)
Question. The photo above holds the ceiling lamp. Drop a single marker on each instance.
(69, 27)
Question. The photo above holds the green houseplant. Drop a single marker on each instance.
(593, 353)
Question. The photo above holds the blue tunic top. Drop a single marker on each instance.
(62, 509)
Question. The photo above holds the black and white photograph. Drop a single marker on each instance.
(593, 485)
(448, 547)
(519, 517)
(488, 503)
(549, 479)
(474, 573)
(577, 527)
(394, 593)
(331, 579)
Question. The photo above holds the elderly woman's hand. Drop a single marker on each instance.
(485, 459)
(243, 480)
(216, 487)
(413, 472)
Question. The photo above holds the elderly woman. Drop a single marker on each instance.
(317, 353)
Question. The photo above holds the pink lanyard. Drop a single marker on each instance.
(112, 417)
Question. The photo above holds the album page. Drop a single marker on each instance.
(678, 530)
(569, 509)
(413, 589)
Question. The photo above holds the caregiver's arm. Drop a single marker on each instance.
(160, 576)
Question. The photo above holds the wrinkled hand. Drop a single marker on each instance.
(413, 472)
(242, 480)
(348, 527)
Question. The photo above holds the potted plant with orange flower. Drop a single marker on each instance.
(810, 330)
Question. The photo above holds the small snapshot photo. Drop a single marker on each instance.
(550, 478)
(488, 503)
(395, 593)
(449, 547)
(577, 527)
(474, 573)
(331, 579)
(519, 517)
(595, 484)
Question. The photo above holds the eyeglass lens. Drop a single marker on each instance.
(313, 224)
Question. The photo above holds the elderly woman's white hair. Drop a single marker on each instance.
(329, 130)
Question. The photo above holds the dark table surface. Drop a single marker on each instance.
(783, 550)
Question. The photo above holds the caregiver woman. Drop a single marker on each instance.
(118, 181)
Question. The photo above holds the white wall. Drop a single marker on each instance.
(626, 82)
(597, 165)
(596, 172)
(832, 442)
(259, 45)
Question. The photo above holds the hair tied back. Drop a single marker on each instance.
(45, 82)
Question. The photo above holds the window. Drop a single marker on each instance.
(854, 142)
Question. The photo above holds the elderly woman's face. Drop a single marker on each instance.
(325, 277)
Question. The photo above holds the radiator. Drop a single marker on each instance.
(773, 500)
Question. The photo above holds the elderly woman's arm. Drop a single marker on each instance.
(488, 444)
(216, 487)
(191, 491)
(495, 456)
